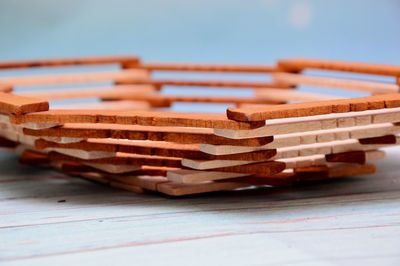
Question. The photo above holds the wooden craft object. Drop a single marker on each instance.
(135, 137)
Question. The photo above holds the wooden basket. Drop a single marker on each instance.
(275, 132)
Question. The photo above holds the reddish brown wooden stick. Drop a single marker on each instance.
(315, 108)
(13, 104)
(296, 65)
(143, 118)
(70, 61)
(188, 67)
(209, 83)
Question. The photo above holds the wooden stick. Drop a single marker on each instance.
(320, 136)
(315, 108)
(314, 123)
(296, 65)
(301, 175)
(169, 134)
(160, 100)
(143, 118)
(292, 152)
(121, 159)
(58, 62)
(196, 176)
(13, 104)
(338, 83)
(116, 92)
(293, 95)
(123, 105)
(188, 67)
(209, 83)
(5, 88)
(120, 76)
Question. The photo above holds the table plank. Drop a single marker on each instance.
(344, 222)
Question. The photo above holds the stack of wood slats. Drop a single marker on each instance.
(275, 132)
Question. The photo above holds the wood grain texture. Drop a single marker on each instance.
(145, 118)
(169, 134)
(12, 104)
(315, 108)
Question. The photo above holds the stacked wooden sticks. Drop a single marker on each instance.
(133, 138)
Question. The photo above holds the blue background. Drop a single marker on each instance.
(258, 31)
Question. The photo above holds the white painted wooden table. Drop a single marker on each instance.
(49, 219)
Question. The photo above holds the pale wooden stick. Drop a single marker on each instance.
(174, 189)
(313, 123)
(81, 154)
(196, 176)
(320, 136)
(290, 152)
(114, 169)
(133, 132)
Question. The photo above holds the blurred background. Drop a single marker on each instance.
(215, 31)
